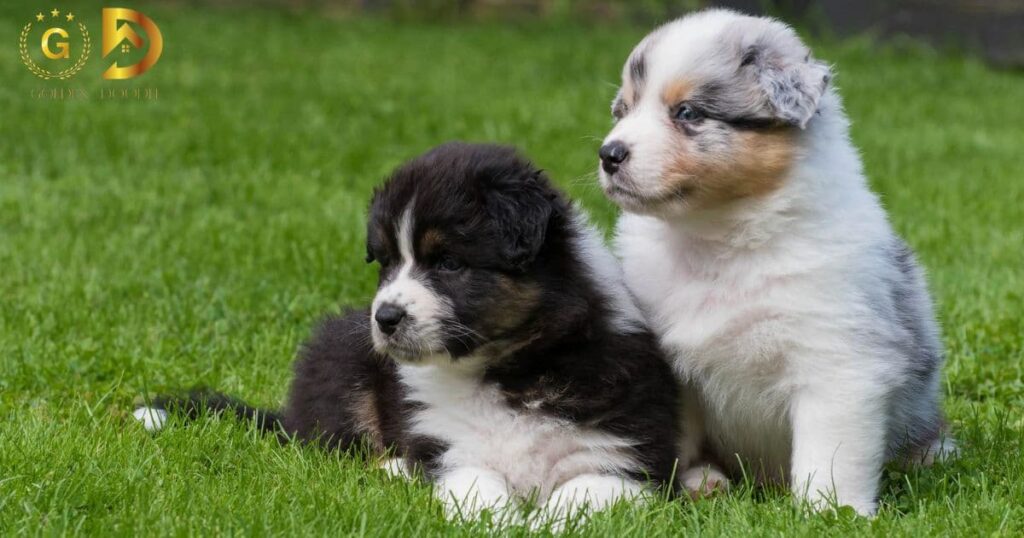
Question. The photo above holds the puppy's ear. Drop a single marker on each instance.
(791, 80)
(521, 209)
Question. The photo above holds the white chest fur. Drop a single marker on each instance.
(731, 331)
(532, 452)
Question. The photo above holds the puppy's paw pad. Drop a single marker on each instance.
(152, 419)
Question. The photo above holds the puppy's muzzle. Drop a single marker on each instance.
(613, 154)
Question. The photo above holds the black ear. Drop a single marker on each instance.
(521, 208)
(792, 84)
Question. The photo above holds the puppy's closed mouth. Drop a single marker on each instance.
(631, 195)
(621, 185)
(403, 352)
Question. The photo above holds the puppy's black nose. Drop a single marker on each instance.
(388, 317)
(613, 154)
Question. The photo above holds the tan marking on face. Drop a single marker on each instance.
(513, 303)
(754, 163)
(676, 92)
(431, 241)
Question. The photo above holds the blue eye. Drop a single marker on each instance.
(686, 112)
(448, 263)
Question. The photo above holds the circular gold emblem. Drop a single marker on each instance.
(56, 46)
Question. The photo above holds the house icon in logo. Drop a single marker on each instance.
(118, 34)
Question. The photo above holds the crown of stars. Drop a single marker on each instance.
(55, 13)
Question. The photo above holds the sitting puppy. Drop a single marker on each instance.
(767, 268)
(502, 355)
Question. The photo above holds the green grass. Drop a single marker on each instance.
(195, 240)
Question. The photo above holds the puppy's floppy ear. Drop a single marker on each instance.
(521, 208)
(791, 80)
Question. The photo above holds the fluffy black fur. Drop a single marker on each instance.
(496, 238)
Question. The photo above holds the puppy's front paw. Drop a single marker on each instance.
(824, 500)
(581, 496)
(704, 481)
(152, 418)
(395, 468)
(467, 492)
(940, 450)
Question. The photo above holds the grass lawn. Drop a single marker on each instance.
(195, 240)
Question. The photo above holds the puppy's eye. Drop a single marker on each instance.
(687, 112)
(448, 263)
(620, 111)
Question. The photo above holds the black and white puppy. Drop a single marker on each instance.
(768, 268)
(502, 354)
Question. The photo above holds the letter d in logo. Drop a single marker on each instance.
(114, 33)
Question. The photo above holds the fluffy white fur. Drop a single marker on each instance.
(152, 419)
(780, 310)
(485, 467)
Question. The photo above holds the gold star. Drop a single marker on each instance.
(55, 12)
(39, 17)
(71, 16)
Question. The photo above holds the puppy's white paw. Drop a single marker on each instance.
(152, 419)
(940, 450)
(466, 492)
(582, 496)
(704, 481)
(395, 468)
(827, 502)
(818, 496)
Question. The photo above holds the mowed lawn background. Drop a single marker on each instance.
(195, 239)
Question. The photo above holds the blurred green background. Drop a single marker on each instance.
(194, 238)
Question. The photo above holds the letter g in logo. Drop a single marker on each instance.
(63, 48)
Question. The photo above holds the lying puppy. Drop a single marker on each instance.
(768, 269)
(502, 355)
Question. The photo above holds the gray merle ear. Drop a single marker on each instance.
(791, 80)
(521, 208)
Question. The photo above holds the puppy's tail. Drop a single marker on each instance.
(204, 402)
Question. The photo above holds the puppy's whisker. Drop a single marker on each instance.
(589, 179)
(461, 326)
